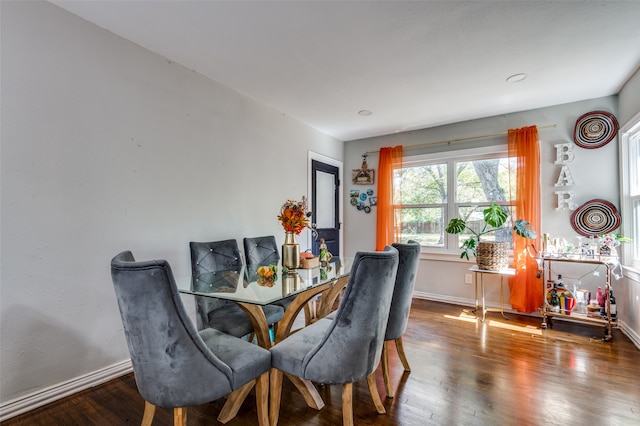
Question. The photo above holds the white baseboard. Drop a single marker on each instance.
(630, 333)
(53, 393)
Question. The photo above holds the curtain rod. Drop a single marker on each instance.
(449, 141)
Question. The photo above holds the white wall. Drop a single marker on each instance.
(108, 147)
(629, 288)
(630, 99)
(594, 172)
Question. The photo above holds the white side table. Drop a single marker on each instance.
(480, 273)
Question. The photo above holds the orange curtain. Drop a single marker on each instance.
(388, 224)
(526, 289)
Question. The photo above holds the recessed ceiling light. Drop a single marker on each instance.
(516, 78)
(364, 112)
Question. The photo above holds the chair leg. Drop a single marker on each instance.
(403, 357)
(234, 402)
(262, 399)
(180, 416)
(274, 397)
(385, 369)
(347, 404)
(149, 411)
(373, 390)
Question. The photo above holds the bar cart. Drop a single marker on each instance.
(547, 311)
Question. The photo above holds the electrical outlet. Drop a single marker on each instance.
(468, 279)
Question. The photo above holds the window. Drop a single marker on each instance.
(630, 191)
(437, 187)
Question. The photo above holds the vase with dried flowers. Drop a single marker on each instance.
(294, 217)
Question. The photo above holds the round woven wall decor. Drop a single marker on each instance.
(595, 129)
(595, 217)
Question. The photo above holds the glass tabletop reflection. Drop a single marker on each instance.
(263, 284)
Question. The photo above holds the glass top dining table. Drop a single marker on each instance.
(250, 291)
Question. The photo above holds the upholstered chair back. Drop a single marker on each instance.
(409, 257)
(261, 251)
(214, 256)
(208, 257)
(172, 365)
(352, 344)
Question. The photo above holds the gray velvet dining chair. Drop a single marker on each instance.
(409, 257)
(174, 365)
(208, 258)
(348, 348)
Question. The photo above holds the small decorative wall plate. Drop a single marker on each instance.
(595, 129)
(369, 192)
(363, 196)
(595, 217)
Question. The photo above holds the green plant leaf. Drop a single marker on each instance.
(495, 215)
(468, 245)
(524, 229)
(456, 226)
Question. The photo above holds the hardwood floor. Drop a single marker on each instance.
(464, 372)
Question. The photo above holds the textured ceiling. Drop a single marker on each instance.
(413, 64)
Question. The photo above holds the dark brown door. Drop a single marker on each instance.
(325, 185)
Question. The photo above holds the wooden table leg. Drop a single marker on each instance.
(308, 392)
(329, 297)
(259, 321)
(234, 402)
(294, 308)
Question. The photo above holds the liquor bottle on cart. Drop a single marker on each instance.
(613, 308)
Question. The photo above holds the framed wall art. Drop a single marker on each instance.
(364, 175)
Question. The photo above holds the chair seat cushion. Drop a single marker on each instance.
(245, 359)
(234, 321)
(331, 316)
(284, 303)
(289, 354)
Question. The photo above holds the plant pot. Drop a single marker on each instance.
(290, 252)
(492, 255)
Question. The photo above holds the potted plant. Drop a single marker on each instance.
(489, 254)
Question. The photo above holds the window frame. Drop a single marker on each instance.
(628, 152)
(451, 245)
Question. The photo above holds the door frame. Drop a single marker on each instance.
(336, 163)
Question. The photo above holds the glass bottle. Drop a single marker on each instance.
(600, 296)
(555, 300)
(559, 283)
(613, 308)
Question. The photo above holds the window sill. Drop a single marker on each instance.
(445, 257)
(631, 273)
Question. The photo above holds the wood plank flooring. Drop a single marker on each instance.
(464, 372)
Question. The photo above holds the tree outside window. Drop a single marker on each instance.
(474, 178)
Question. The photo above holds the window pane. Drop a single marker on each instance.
(475, 220)
(325, 211)
(483, 180)
(425, 225)
(424, 184)
(636, 229)
(634, 161)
